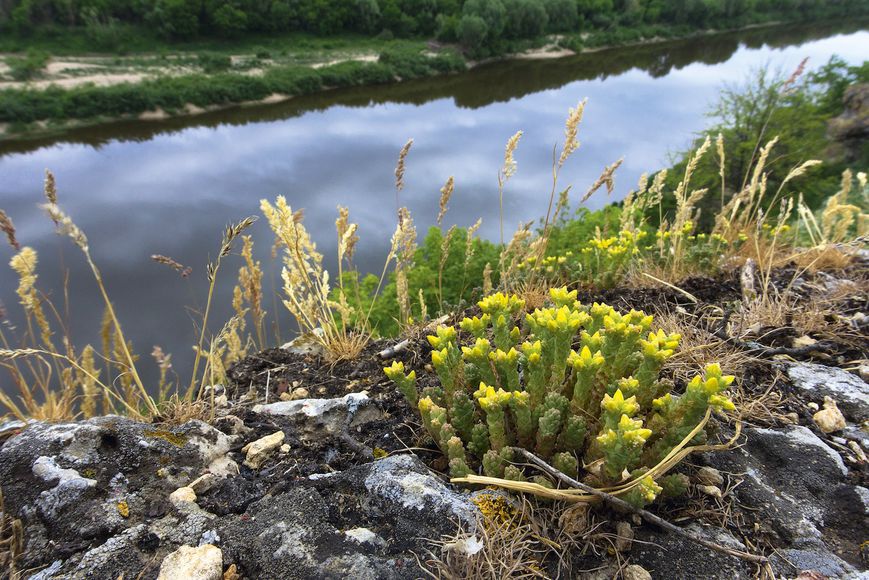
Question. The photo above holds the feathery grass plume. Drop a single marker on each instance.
(446, 194)
(24, 264)
(347, 238)
(306, 284)
(249, 290)
(50, 188)
(230, 234)
(509, 168)
(571, 129)
(470, 250)
(632, 202)
(504, 175)
(607, 177)
(66, 226)
(89, 379)
(571, 144)
(684, 219)
(445, 254)
(516, 252)
(302, 272)
(164, 363)
(791, 81)
(487, 279)
(839, 217)
(563, 203)
(423, 307)
(400, 167)
(8, 228)
(183, 271)
(722, 159)
(405, 248)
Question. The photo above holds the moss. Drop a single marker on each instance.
(89, 472)
(379, 453)
(167, 436)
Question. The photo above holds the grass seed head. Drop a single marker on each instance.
(399, 169)
(446, 194)
(8, 228)
(509, 168)
(571, 129)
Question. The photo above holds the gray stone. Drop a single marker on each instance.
(850, 392)
(389, 509)
(667, 555)
(798, 491)
(332, 416)
(810, 555)
(403, 480)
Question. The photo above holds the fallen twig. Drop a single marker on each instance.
(620, 503)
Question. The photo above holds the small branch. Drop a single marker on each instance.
(394, 349)
(622, 504)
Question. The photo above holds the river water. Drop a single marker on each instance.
(142, 188)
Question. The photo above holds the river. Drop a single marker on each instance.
(169, 187)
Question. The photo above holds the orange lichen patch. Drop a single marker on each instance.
(496, 508)
(124, 509)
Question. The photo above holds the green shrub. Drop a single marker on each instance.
(27, 67)
(212, 62)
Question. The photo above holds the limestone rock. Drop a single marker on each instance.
(182, 495)
(625, 537)
(636, 572)
(830, 418)
(186, 563)
(259, 451)
(709, 476)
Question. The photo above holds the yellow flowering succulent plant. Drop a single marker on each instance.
(577, 385)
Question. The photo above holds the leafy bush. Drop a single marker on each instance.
(27, 67)
(214, 62)
(229, 21)
(473, 32)
(601, 406)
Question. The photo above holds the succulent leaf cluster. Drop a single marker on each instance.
(576, 384)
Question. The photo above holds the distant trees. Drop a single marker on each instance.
(482, 26)
(525, 18)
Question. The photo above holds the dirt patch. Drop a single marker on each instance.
(356, 58)
(545, 53)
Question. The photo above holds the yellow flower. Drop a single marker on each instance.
(445, 335)
(617, 404)
(633, 431)
(500, 302)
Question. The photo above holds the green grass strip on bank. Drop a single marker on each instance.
(19, 107)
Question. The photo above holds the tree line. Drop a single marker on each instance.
(482, 26)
